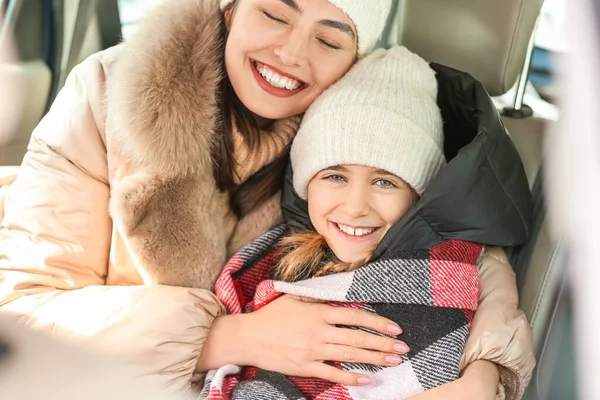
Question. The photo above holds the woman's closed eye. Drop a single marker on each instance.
(276, 19)
(329, 44)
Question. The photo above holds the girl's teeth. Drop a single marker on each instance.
(355, 232)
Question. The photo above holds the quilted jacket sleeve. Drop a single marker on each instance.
(500, 332)
(55, 237)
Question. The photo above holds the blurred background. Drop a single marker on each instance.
(537, 59)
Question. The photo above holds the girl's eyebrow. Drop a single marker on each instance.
(338, 168)
(384, 172)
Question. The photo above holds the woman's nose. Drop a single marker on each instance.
(292, 52)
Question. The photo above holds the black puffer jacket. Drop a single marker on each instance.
(482, 194)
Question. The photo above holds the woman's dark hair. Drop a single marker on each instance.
(264, 183)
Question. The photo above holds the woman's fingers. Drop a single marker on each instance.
(332, 374)
(306, 299)
(360, 318)
(334, 352)
(360, 339)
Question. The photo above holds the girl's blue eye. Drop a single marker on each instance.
(384, 183)
(335, 178)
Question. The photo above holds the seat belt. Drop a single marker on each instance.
(7, 23)
(109, 21)
(520, 257)
(48, 32)
(85, 11)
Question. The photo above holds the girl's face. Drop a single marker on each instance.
(282, 54)
(353, 206)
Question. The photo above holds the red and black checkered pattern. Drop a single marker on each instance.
(431, 293)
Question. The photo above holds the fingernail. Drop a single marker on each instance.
(363, 380)
(394, 329)
(393, 360)
(401, 348)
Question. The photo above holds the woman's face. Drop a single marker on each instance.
(353, 206)
(282, 54)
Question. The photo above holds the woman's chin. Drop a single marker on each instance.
(273, 112)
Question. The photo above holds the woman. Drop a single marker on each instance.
(146, 131)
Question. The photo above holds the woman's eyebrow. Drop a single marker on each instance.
(293, 5)
(340, 26)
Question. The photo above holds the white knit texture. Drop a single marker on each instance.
(382, 114)
(369, 17)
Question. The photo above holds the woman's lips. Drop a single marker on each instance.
(272, 90)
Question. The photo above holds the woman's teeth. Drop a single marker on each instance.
(355, 231)
(281, 82)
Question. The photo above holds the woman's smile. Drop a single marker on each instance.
(276, 82)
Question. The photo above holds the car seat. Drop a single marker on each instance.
(489, 39)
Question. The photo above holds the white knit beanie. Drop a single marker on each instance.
(369, 17)
(383, 113)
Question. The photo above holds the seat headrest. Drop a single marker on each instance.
(486, 38)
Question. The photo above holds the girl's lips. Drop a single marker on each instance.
(352, 238)
(272, 90)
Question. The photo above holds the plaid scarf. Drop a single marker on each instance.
(431, 293)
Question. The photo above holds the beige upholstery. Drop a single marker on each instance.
(487, 38)
(92, 42)
(528, 137)
(36, 78)
(36, 74)
(543, 275)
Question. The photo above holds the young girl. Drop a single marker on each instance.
(364, 158)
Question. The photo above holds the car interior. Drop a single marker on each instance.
(492, 40)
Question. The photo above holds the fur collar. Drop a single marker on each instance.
(162, 108)
(165, 85)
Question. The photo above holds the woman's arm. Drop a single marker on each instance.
(478, 382)
(55, 229)
(55, 236)
(500, 332)
(294, 337)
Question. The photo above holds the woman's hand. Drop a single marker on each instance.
(295, 337)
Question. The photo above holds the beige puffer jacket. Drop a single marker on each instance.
(113, 212)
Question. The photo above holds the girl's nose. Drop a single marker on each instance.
(357, 202)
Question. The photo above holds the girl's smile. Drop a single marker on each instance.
(353, 206)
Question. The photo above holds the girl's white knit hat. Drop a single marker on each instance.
(369, 17)
(383, 113)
